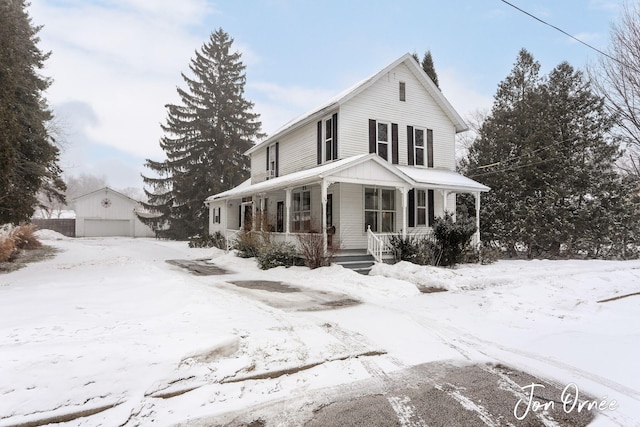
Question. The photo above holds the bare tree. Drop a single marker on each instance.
(616, 77)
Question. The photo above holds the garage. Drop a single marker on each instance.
(108, 213)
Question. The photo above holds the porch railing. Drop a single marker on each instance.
(375, 245)
(231, 236)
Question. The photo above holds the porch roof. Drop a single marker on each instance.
(442, 179)
(338, 171)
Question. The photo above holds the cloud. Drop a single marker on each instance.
(278, 104)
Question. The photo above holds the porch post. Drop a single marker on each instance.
(445, 194)
(253, 213)
(261, 219)
(405, 192)
(477, 235)
(226, 216)
(323, 192)
(287, 204)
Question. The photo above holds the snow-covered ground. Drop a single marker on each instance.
(107, 323)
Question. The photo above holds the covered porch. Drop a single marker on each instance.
(355, 203)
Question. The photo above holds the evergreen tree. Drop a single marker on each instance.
(546, 153)
(427, 66)
(205, 138)
(28, 155)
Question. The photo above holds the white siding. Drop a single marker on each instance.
(118, 219)
(381, 102)
(259, 166)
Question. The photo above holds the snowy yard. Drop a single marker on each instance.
(108, 326)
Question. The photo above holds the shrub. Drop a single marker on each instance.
(453, 237)
(311, 246)
(8, 250)
(421, 250)
(216, 240)
(248, 244)
(276, 254)
(24, 237)
(485, 254)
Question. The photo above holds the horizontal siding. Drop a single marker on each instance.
(351, 230)
(381, 102)
(259, 166)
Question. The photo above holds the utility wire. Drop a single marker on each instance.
(564, 32)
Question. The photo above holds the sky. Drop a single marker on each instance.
(115, 64)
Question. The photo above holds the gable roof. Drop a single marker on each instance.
(105, 190)
(351, 92)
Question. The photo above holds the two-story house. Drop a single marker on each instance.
(377, 159)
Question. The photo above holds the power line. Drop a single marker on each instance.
(563, 32)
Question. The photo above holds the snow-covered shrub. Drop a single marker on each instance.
(484, 254)
(216, 240)
(248, 244)
(453, 237)
(420, 250)
(276, 254)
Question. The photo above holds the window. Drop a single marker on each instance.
(379, 210)
(421, 207)
(383, 140)
(301, 213)
(216, 215)
(272, 161)
(419, 139)
(328, 139)
(403, 91)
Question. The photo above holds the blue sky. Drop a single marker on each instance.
(116, 63)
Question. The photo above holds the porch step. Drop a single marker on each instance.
(360, 263)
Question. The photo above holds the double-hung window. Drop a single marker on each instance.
(328, 139)
(379, 210)
(272, 161)
(421, 207)
(419, 135)
(301, 215)
(383, 138)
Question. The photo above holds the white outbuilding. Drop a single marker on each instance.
(106, 213)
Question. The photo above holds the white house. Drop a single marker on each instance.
(106, 212)
(378, 159)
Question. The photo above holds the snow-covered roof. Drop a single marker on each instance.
(297, 178)
(105, 190)
(442, 178)
(411, 175)
(354, 90)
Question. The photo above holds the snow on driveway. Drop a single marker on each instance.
(107, 323)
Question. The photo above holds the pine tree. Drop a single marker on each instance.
(546, 153)
(204, 140)
(428, 66)
(28, 155)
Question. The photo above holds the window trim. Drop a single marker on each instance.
(298, 210)
(272, 167)
(423, 148)
(402, 89)
(419, 207)
(379, 209)
(387, 142)
(327, 141)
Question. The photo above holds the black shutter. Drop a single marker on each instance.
(267, 160)
(412, 208)
(430, 148)
(277, 159)
(319, 139)
(240, 225)
(431, 208)
(410, 149)
(372, 136)
(394, 143)
(335, 136)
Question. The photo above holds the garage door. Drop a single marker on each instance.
(107, 227)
